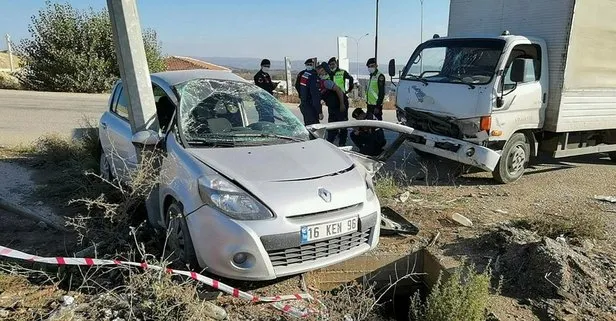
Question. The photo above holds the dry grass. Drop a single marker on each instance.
(9, 81)
(5, 62)
(586, 226)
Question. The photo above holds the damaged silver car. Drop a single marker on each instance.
(246, 191)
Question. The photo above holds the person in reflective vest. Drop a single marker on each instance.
(375, 91)
(336, 108)
(310, 97)
(340, 76)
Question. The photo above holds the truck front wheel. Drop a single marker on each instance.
(513, 160)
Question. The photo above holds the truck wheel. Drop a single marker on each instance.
(179, 242)
(612, 156)
(513, 160)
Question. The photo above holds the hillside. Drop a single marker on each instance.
(4, 60)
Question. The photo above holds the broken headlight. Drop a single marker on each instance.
(230, 199)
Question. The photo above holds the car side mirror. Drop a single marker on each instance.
(392, 68)
(517, 70)
(146, 138)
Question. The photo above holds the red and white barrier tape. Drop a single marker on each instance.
(275, 301)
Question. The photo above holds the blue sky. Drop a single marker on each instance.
(272, 28)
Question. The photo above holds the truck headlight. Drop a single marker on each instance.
(230, 199)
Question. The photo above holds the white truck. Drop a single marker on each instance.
(514, 78)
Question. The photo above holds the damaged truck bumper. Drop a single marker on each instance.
(455, 149)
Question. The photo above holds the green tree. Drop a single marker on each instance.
(73, 51)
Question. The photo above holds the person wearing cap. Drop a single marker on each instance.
(309, 94)
(370, 141)
(375, 91)
(308, 66)
(262, 77)
(340, 76)
(333, 96)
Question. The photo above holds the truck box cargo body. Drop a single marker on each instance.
(514, 78)
(581, 43)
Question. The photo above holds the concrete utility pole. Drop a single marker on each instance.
(376, 34)
(133, 64)
(8, 46)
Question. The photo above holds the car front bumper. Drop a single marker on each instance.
(273, 246)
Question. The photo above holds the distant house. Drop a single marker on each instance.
(187, 63)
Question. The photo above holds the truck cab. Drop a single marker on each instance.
(477, 90)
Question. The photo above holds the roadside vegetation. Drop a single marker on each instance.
(72, 50)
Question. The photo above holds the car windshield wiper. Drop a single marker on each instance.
(267, 135)
(211, 142)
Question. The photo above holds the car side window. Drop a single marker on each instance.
(164, 107)
(122, 105)
(114, 100)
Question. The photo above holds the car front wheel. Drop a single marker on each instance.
(179, 242)
(104, 167)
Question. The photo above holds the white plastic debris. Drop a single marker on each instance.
(461, 219)
(610, 199)
(501, 212)
(405, 196)
(561, 239)
(68, 300)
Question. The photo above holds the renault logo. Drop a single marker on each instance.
(325, 195)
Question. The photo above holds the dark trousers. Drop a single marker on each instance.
(310, 116)
(369, 143)
(336, 115)
(376, 110)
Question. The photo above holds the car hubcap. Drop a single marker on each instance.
(517, 158)
(104, 167)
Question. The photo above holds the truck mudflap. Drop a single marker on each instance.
(455, 149)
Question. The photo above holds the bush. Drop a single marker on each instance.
(73, 51)
(463, 296)
(8, 81)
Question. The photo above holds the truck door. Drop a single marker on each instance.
(522, 91)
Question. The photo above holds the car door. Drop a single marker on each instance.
(116, 136)
(372, 164)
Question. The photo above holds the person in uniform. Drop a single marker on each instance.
(262, 77)
(309, 66)
(340, 76)
(375, 91)
(310, 96)
(333, 96)
(370, 141)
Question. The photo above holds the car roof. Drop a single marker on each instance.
(180, 76)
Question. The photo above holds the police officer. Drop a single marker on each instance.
(263, 79)
(375, 91)
(370, 141)
(309, 66)
(310, 97)
(336, 107)
(340, 76)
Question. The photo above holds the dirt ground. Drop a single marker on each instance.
(560, 271)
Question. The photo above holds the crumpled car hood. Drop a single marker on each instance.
(287, 177)
(275, 163)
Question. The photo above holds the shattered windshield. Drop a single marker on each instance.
(224, 113)
(455, 61)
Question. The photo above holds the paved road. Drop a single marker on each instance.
(28, 115)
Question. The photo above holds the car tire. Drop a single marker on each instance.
(179, 243)
(104, 167)
(513, 160)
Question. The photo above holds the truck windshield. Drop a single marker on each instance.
(463, 61)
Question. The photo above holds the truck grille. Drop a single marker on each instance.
(318, 250)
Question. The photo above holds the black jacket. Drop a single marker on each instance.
(263, 80)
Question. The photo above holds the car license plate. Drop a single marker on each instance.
(324, 231)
